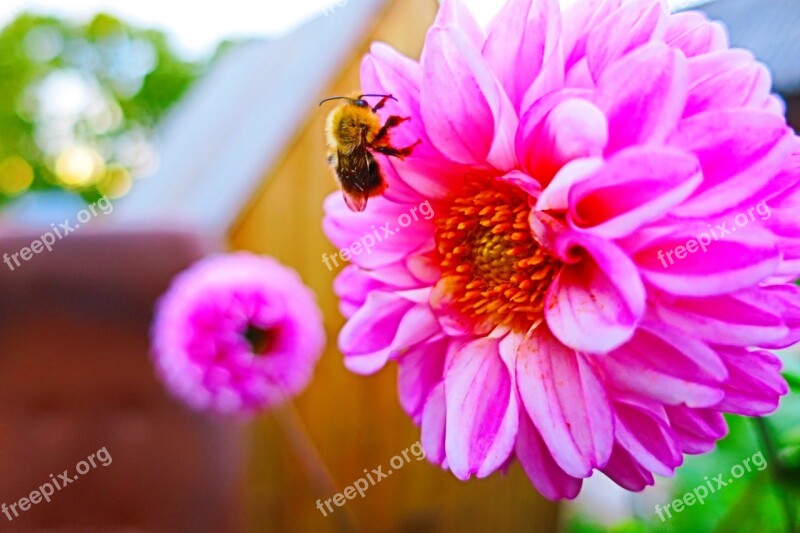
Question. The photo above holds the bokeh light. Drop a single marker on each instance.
(83, 95)
(79, 166)
(16, 176)
(116, 183)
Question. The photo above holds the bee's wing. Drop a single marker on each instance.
(359, 176)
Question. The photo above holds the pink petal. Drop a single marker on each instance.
(455, 13)
(740, 151)
(524, 182)
(382, 328)
(594, 305)
(626, 471)
(397, 276)
(726, 79)
(786, 186)
(573, 128)
(383, 309)
(579, 77)
(671, 368)
(577, 18)
(755, 385)
(787, 299)
(482, 413)
(781, 219)
(424, 268)
(697, 429)
(524, 32)
(433, 426)
(466, 113)
(533, 120)
(546, 228)
(385, 71)
(550, 78)
(545, 474)
(629, 27)
(648, 438)
(555, 197)
(775, 104)
(352, 287)
(729, 264)
(790, 265)
(566, 402)
(745, 319)
(692, 32)
(636, 186)
(426, 171)
(420, 369)
(354, 283)
(643, 95)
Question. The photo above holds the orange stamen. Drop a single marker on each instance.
(497, 274)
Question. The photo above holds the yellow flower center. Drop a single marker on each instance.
(495, 272)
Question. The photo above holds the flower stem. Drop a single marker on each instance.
(771, 449)
(317, 472)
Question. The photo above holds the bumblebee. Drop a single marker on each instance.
(354, 132)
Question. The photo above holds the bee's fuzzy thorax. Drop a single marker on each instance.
(347, 123)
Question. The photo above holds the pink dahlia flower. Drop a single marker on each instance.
(559, 307)
(237, 334)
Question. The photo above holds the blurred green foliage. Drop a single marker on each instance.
(101, 86)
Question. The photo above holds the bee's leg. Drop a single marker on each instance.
(391, 122)
(397, 152)
(382, 103)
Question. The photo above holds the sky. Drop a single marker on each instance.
(197, 33)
